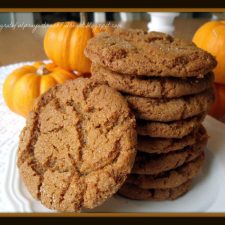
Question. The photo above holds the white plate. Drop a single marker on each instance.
(207, 194)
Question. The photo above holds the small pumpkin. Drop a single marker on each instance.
(218, 108)
(64, 44)
(211, 37)
(25, 84)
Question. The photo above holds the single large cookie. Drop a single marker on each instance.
(153, 164)
(166, 110)
(165, 145)
(151, 87)
(134, 192)
(169, 179)
(78, 145)
(175, 129)
(136, 52)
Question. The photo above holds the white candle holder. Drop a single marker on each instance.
(162, 22)
(99, 17)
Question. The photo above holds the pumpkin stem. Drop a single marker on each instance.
(42, 70)
(83, 18)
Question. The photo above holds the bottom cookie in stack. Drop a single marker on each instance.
(134, 192)
(166, 176)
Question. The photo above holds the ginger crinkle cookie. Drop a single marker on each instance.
(140, 53)
(155, 164)
(168, 145)
(152, 87)
(174, 129)
(136, 193)
(166, 110)
(78, 145)
(168, 179)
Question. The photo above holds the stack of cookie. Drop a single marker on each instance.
(168, 84)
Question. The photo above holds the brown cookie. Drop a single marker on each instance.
(137, 52)
(78, 145)
(153, 164)
(154, 87)
(175, 129)
(165, 145)
(134, 192)
(170, 179)
(166, 110)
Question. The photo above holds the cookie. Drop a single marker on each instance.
(170, 179)
(134, 192)
(153, 164)
(151, 87)
(175, 129)
(165, 145)
(78, 145)
(166, 110)
(136, 52)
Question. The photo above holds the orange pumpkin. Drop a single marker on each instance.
(218, 109)
(64, 44)
(211, 37)
(25, 84)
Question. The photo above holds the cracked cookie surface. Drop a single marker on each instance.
(135, 52)
(151, 86)
(78, 145)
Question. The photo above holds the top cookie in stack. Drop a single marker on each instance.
(168, 84)
(138, 53)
